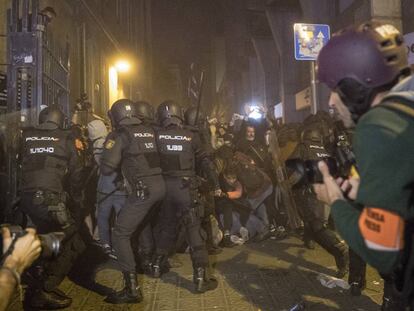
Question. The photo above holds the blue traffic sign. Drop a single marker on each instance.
(310, 39)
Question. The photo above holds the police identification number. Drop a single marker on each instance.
(174, 147)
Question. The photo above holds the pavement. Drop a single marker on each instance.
(272, 275)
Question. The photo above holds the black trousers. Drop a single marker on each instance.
(178, 207)
(315, 225)
(209, 210)
(357, 268)
(131, 217)
(53, 270)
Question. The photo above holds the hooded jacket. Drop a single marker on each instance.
(97, 133)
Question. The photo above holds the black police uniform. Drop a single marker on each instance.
(311, 210)
(179, 151)
(132, 148)
(208, 183)
(49, 155)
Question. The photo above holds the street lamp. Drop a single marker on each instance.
(116, 71)
(122, 66)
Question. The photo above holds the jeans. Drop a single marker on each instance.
(105, 208)
(254, 225)
(258, 207)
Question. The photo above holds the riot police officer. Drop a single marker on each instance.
(313, 213)
(194, 122)
(49, 155)
(131, 149)
(146, 247)
(179, 150)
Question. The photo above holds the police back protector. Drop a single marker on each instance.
(45, 159)
(176, 151)
(140, 157)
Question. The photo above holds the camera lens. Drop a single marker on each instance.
(51, 244)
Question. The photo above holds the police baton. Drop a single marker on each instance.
(108, 195)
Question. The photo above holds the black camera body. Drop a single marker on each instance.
(340, 165)
(51, 243)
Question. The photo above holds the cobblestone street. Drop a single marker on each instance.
(267, 276)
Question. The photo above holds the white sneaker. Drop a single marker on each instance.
(236, 240)
(244, 233)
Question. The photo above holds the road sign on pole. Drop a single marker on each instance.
(310, 39)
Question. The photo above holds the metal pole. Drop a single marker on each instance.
(102, 25)
(314, 107)
(83, 59)
(200, 93)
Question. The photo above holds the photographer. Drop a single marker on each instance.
(25, 250)
(374, 213)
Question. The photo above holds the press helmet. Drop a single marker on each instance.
(360, 62)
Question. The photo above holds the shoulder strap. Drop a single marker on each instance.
(400, 107)
(123, 130)
(399, 103)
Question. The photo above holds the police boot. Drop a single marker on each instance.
(357, 287)
(392, 300)
(357, 272)
(392, 304)
(334, 246)
(202, 281)
(159, 266)
(308, 243)
(130, 294)
(41, 299)
(146, 264)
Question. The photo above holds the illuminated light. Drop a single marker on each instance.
(113, 85)
(255, 113)
(122, 66)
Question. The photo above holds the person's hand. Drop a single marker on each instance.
(212, 129)
(329, 191)
(349, 186)
(26, 249)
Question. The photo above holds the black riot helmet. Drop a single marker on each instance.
(360, 62)
(169, 112)
(122, 111)
(145, 110)
(52, 114)
(191, 118)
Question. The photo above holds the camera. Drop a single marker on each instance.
(51, 243)
(307, 171)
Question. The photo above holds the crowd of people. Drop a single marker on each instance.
(154, 182)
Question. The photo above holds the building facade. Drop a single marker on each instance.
(99, 34)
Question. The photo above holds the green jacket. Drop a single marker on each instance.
(384, 150)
